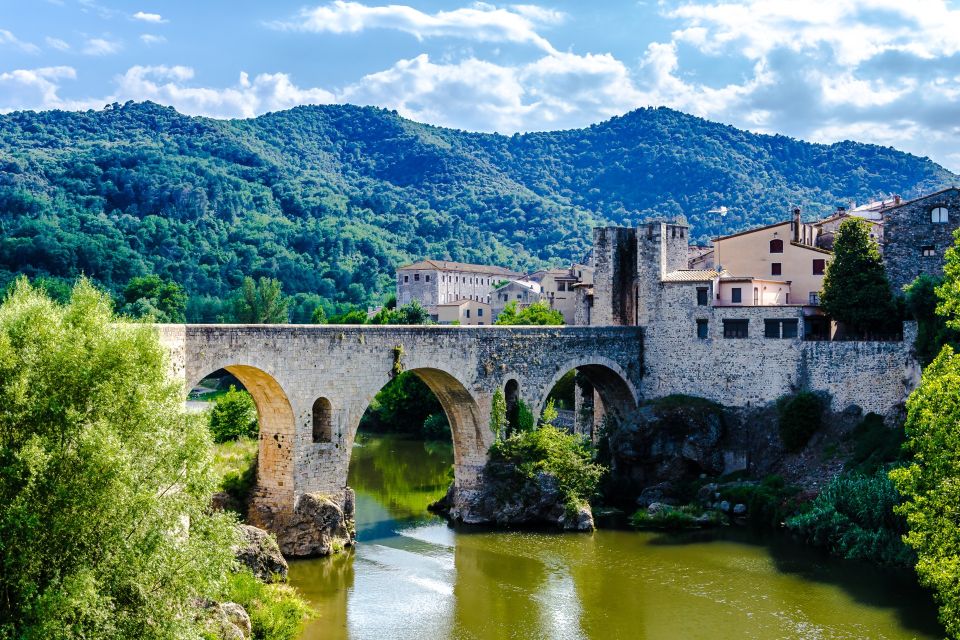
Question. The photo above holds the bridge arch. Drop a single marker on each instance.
(469, 422)
(275, 415)
(617, 395)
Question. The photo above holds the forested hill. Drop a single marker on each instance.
(330, 199)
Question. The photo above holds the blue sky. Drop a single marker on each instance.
(883, 71)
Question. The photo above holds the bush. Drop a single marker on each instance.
(436, 427)
(520, 418)
(800, 416)
(672, 518)
(567, 457)
(234, 416)
(853, 518)
(235, 463)
(276, 611)
(100, 469)
(767, 502)
(875, 445)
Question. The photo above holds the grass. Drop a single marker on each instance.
(277, 611)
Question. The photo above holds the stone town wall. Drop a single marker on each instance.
(876, 376)
(908, 229)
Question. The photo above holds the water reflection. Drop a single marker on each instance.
(411, 576)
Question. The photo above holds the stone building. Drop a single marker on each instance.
(917, 233)
(523, 292)
(558, 287)
(436, 282)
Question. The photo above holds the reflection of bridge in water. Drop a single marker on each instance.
(312, 384)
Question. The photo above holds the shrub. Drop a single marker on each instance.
(276, 611)
(436, 427)
(100, 468)
(520, 418)
(875, 445)
(567, 457)
(800, 416)
(853, 518)
(233, 416)
(671, 518)
(767, 502)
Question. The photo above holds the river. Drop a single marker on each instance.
(412, 576)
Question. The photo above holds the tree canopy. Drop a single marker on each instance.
(856, 291)
(105, 526)
(536, 313)
(261, 302)
(152, 296)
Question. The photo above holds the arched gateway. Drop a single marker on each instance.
(312, 384)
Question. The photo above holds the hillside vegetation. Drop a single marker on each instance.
(330, 199)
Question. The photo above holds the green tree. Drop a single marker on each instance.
(234, 416)
(105, 481)
(921, 302)
(153, 297)
(856, 291)
(412, 313)
(355, 316)
(319, 315)
(549, 414)
(536, 313)
(261, 302)
(930, 483)
(949, 290)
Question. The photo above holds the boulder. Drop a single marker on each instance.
(229, 621)
(318, 525)
(261, 554)
(739, 509)
(664, 492)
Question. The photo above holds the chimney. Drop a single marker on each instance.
(896, 200)
(796, 224)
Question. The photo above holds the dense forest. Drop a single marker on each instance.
(330, 199)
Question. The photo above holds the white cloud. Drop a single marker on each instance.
(101, 47)
(57, 43)
(479, 22)
(7, 38)
(143, 16)
(172, 86)
(150, 39)
(37, 89)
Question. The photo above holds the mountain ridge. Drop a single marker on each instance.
(331, 198)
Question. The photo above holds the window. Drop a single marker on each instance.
(814, 297)
(702, 327)
(322, 421)
(735, 328)
(428, 278)
(518, 296)
(818, 266)
(701, 297)
(416, 277)
(561, 286)
(406, 278)
(756, 296)
(939, 215)
(479, 313)
(776, 246)
(928, 251)
(776, 268)
(467, 314)
(779, 328)
(736, 296)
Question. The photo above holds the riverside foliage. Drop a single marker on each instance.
(330, 199)
(105, 481)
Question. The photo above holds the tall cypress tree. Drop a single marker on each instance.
(856, 291)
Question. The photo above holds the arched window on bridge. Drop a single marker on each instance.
(511, 393)
(322, 421)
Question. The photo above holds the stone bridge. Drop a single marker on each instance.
(312, 384)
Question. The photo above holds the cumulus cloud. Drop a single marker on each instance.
(480, 22)
(8, 39)
(150, 38)
(143, 16)
(36, 88)
(101, 47)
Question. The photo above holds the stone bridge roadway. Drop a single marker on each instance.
(313, 383)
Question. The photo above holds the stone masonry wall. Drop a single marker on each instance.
(908, 228)
(876, 376)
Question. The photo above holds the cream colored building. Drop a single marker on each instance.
(827, 228)
(783, 252)
(748, 291)
(466, 312)
(557, 286)
(522, 292)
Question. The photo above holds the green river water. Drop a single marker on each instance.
(412, 576)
